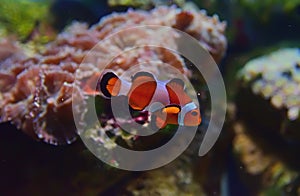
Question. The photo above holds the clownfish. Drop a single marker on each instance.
(166, 100)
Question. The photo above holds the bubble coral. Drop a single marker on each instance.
(277, 78)
(272, 174)
(36, 92)
(268, 101)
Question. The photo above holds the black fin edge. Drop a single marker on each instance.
(142, 73)
(173, 105)
(178, 81)
(103, 83)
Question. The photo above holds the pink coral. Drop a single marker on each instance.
(36, 92)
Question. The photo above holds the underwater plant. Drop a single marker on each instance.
(144, 4)
(21, 17)
(266, 7)
(262, 10)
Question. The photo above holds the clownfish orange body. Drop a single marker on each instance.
(166, 100)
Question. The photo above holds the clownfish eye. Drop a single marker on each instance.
(194, 113)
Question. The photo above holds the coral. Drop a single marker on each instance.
(254, 160)
(208, 30)
(268, 139)
(36, 92)
(176, 178)
(39, 102)
(8, 49)
(273, 175)
(277, 78)
(268, 101)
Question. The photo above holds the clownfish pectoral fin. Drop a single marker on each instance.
(142, 90)
(157, 122)
(110, 84)
(171, 109)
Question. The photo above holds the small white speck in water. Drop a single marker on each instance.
(40, 135)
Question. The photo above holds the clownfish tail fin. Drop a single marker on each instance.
(110, 84)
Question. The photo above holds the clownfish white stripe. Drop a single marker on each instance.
(125, 87)
(161, 95)
(185, 109)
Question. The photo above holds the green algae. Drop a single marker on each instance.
(21, 17)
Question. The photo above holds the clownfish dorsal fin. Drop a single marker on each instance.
(142, 90)
(110, 84)
(141, 74)
(171, 109)
(176, 83)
